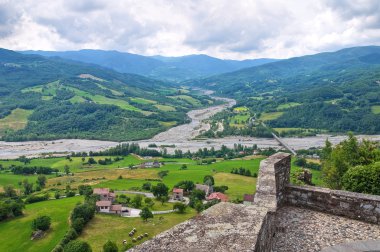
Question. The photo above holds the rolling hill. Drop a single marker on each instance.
(50, 98)
(335, 91)
(174, 69)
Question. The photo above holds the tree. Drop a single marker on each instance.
(28, 187)
(180, 207)
(145, 214)
(184, 167)
(41, 223)
(57, 195)
(199, 207)
(208, 180)
(363, 179)
(147, 186)
(91, 160)
(78, 246)
(163, 199)
(78, 225)
(110, 246)
(41, 181)
(136, 201)
(66, 168)
(85, 190)
(160, 190)
(9, 191)
(149, 202)
(186, 185)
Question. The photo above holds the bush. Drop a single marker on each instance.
(363, 179)
(57, 248)
(78, 224)
(78, 246)
(69, 236)
(70, 194)
(57, 195)
(35, 198)
(147, 186)
(110, 246)
(41, 223)
(180, 207)
(85, 211)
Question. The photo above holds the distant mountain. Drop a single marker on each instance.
(159, 67)
(335, 91)
(50, 98)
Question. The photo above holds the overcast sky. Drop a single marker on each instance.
(234, 29)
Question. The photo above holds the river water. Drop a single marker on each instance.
(180, 136)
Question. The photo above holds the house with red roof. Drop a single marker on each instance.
(104, 194)
(104, 205)
(218, 196)
(178, 194)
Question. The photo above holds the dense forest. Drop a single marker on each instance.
(63, 99)
(335, 92)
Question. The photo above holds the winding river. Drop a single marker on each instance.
(181, 137)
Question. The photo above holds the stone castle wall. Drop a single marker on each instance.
(349, 204)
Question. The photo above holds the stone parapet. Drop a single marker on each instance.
(349, 204)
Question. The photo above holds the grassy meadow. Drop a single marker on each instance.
(15, 233)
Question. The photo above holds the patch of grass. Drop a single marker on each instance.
(15, 233)
(143, 101)
(168, 124)
(77, 99)
(375, 109)
(165, 108)
(288, 105)
(17, 120)
(187, 98)
(238, 185)
(12, 179)
(240, 109)
(270, 116)
(115, 228)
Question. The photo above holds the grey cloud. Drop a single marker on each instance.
(9, 18)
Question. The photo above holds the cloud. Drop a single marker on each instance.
(227, 29)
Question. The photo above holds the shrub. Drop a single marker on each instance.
(147, 186)
(35, 198)
(146, 213)
(363, 179)
(70, 235)
(70, 194)
(57, 195)
(57, 248)
(110, 246)
(180, 207)
(41, 223)
(78, 246)
(78, 224)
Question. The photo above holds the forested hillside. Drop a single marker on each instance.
(44, 98)
(158, 67)
(336, 92)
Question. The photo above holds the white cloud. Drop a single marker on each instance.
(222, 28)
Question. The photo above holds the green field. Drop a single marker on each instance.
(165, 107)
(288, 105)
(15, 233)
(143, 101)
(15, 121)
(375, 109)
(270, 116)
(115, 228)
(187, 98)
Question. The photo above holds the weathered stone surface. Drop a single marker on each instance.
(306, 230)
(223, 227)
(352, 205)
